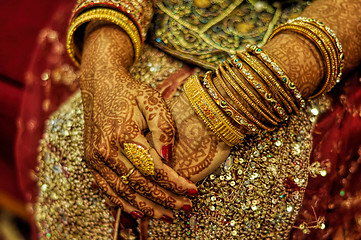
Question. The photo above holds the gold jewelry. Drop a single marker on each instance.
(253, 81)
(124, 178)
(103, 14)
(280, 73)
(269, 80)
(326, 42)
(209, 112)
(243, 95)
(227, 108)
(251, 98)
(140, 158)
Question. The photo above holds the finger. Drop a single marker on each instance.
(109, 193)
(139, 202)
(149, 163)
(147, 188)
(159, 121)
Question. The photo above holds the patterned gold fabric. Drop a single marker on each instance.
(205, 32)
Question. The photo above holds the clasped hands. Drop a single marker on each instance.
(141, 177)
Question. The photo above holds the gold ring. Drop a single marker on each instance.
(140, 157)
(124, 178)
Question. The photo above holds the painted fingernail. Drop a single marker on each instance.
(192, 192)
(167, 152)
(166, 219)
(187, 208)
(136, 214)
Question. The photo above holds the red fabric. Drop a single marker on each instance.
(337, 146)
(23, 18)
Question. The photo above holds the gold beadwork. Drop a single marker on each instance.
(102, 14)
(140, 158)
(208, 110)
(124, 178)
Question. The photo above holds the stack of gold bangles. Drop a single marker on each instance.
(260, 93)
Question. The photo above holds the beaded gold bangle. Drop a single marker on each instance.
(280, 73)
(247, 114)
(335, 55)
(268, 78)
(209, 112)
(251, 98)
(326, 42)
(252, 80)
(227, 108)
(103, 14)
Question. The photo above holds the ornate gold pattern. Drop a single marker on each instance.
(205, 36)
(140, 158)
(255, 194)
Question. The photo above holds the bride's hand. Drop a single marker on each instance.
(117, 110)
(197, 150)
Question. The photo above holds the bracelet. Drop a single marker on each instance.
(103, 14)
(209, 112)
(269, 80)
(227, 108)
(251, 99)
(235, 100)
(280, 73)
(326, 42)
(252, 80)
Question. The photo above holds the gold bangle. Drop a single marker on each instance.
(280, 73)
(268, 78)
(209, 112)
(104, 14)
(250, 117)
(249, 95)
(253, 81)
(326, 42)
(227, 108)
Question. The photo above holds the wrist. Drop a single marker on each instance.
(107, 45)
(300, 59)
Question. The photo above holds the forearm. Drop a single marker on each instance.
(301, 59)
(107, 50)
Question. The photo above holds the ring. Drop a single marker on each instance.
(140, 157)
(124, 178)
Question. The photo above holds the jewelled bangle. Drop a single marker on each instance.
(227, 77)
(238, 84)
(326, 42)
(227, 108)
(209, 112)
(103, 14)
(246, 113)
(262, 90)
(268, 79)
(280, 73)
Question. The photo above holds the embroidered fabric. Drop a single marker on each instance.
(256, 193)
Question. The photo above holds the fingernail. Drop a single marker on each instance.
(166, 219)
(167, 152)
(187, 208)
(192, 192)
(136, 214)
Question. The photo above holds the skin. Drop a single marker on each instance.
(112, 100)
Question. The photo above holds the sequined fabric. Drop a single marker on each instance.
(255, 194)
